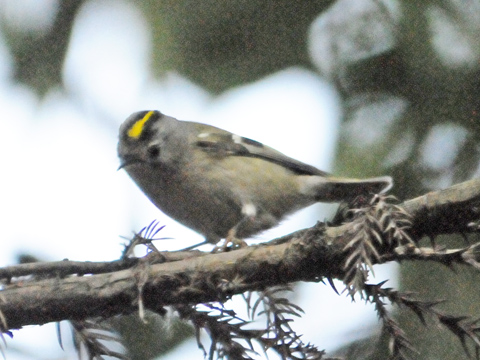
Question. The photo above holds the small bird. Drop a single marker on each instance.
(220, 184)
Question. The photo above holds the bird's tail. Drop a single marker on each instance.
(332, 189)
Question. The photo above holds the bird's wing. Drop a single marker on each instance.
(223, 143)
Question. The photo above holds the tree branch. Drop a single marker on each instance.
(169, 278)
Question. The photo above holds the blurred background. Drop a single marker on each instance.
(356, 87)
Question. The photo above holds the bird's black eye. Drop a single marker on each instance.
(153, 151)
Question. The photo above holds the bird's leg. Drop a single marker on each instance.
(254, 220)
(231, 239)
(249, 212)
(232, 236)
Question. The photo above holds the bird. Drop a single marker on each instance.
(222, 185)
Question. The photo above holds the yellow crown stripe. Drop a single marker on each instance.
(137, 128)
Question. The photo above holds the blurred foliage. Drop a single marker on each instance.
(422, 54)
(457, 286)
(38, 56)
(408, 72)
(151, 337)
(220, 44)
(411, 69)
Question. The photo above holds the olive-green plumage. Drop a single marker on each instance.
(214, 181)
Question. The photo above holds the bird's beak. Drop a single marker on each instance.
(127, 161)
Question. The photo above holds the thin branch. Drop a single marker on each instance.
(67, 267)
(307, 255)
